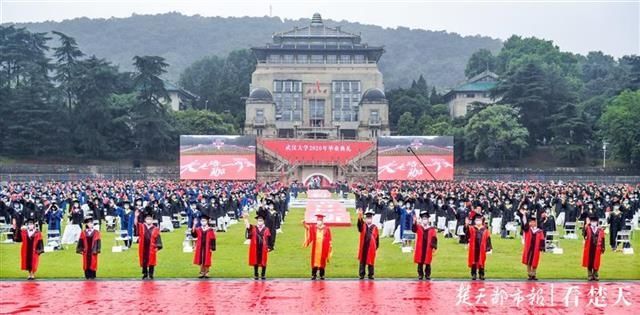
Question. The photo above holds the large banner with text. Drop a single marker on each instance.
(406, 157)
(317, 151)
(218, 157)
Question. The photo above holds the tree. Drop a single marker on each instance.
(202, 122)
(494, 134)
(481, 60)
(406, 124)
(414, 100)
(221, 82)
(29, 114)
(571, 134)
(631, 64)
(421, 86)
(619, 126)
(435, 98)
(440, 110)
(95, 83)
(66, 55)
(120, 109)
(518, 51)
(439, 128)
(525, 90)
(152, 131)
(596, 65)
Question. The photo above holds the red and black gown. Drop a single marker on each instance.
(593, 247)
(205, 245)
(259, 245)
(533, 245)
(369, 242)
(426, 242)
(32, 247)
(150, 243)
(479, 245)
(89, 246)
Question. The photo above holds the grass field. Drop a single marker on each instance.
(290, 260)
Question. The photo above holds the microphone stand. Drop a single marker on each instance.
(409, 149)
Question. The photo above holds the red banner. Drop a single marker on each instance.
(218, 167)
(407, 167)
(314, 151)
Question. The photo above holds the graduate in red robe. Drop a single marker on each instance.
(479, 244)
(259, 236)
(594, 246)
(369, 242)
(319, 237)
(89, 246)
(149, 243)
(205, 246)
(32, 247)
(533, 244)
(426, 245)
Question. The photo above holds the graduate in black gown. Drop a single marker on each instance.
(616, 224)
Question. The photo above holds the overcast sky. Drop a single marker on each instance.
(578, 26)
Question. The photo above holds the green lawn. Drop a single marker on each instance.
(290, 260)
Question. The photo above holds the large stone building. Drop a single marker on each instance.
(473, 91)
(317, 82)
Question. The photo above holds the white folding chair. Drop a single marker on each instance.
(118, 247)
(110, 221)
(387, 228)
(570, 230)
(6, 236)
(166, 225)
(442, 223)
(511, 227)
(451, 228)
(496, 224)
(622, 239)
(376, 220)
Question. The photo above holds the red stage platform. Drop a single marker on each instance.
(311, 297)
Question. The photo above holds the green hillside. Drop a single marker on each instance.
(181, 40)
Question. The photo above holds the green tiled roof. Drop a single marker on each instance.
(475, 87)
(170, 86)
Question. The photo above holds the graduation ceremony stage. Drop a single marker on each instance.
(290, 296)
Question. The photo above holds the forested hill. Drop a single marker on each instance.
(440, 56)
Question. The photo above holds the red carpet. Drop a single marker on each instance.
(334, 297)
(335, 213)
(318, 194)
(319, 201)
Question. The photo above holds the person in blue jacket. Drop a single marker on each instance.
(127, 221)
(193, 215)
(407, 216)
(54, 216)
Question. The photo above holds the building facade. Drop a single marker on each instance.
(476, 90)
(179, 98)
(317, 82)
